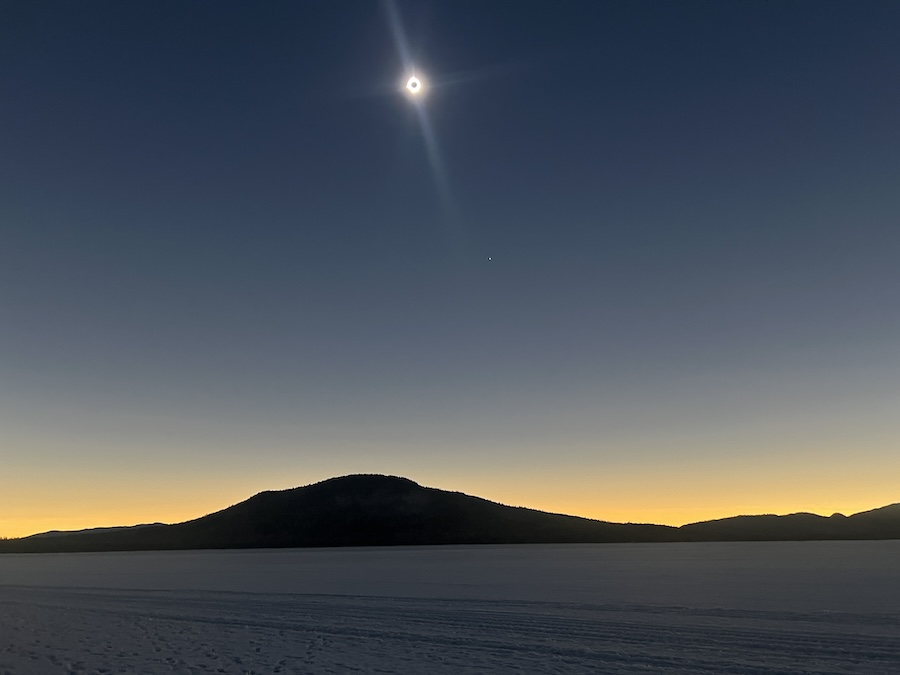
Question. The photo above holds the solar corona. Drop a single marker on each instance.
(414, 86)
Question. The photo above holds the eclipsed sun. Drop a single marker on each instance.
(415, 86)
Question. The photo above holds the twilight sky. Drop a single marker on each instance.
(628, 260)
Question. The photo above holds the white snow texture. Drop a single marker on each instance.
(813, 607)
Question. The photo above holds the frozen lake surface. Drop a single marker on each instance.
(795, 607)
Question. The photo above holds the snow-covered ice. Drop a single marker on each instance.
(813, 607)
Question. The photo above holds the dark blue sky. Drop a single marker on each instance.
(225, 252)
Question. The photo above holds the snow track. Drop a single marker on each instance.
(471, 627)
(106, 631)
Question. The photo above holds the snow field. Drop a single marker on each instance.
(284, 612)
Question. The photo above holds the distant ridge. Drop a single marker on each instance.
(373, 510)
(883, 523)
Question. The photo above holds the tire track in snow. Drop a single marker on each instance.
(191, 632)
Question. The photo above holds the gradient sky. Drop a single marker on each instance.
(641, 263)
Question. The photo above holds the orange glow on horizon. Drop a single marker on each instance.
(112, 510)
(28, 525)
(629, 487)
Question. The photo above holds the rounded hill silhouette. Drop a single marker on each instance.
(373, 510)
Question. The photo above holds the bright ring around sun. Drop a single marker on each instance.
(414, 86)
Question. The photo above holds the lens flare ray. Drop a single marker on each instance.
(415, 86)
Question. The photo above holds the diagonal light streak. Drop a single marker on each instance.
(396, 26)
(432, 148)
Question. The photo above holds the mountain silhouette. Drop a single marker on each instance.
(371, 510)
(883, 523)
